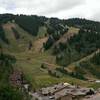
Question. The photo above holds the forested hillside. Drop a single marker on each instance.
(2, 35)
(79, 45)
(7, 92)
(84, 24)
(48, 51)
(29, 23)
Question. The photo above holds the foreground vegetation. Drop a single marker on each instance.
(7, 91)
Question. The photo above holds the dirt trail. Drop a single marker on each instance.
(90, 56)
(71, 32)
(71, 67)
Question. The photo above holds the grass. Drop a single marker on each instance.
(21, 44)
(30, 62)
(42, 31)
(95, 85)
(32, 68)
(39, 77)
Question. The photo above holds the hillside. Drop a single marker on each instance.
(50, 50)
(7, 91)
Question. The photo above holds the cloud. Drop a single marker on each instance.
(93, 9)
(53, 8)
(96, 16)
(58, 6)
(38, 6)
(7, 5)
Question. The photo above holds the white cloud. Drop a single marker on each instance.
(53, 8)
(38, 6)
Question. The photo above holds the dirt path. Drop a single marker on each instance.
(71, 32)
(71, 67)
(90, 56)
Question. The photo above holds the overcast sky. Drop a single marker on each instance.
(89, 9)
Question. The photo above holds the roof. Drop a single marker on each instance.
(55, 88)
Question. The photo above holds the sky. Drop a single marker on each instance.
(63, 9)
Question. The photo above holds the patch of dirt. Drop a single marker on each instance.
(38, 44)
(8, 26)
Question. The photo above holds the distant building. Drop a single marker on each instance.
(65, 97)
(97, 81)
(64, 91)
